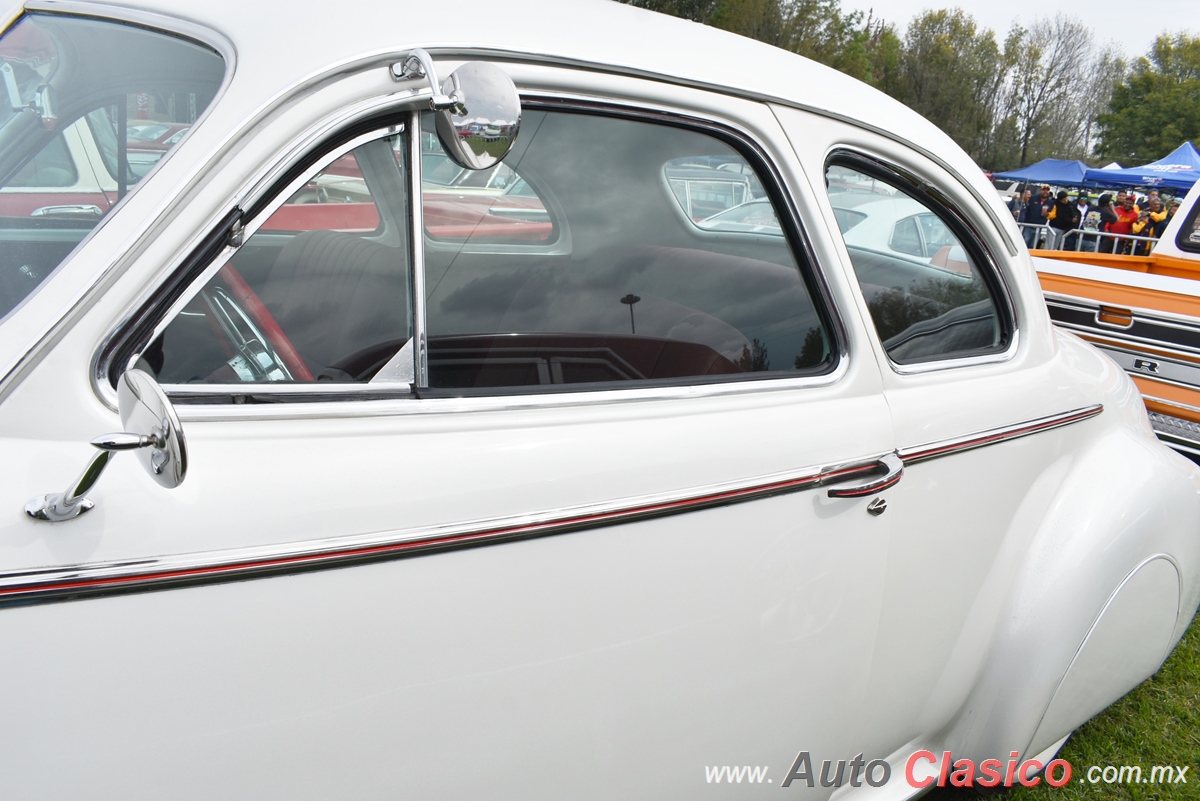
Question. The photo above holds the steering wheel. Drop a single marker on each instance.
(266, 354)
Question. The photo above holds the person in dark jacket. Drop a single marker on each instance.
(1063, 217)
(1033, 212)
(1107, 218)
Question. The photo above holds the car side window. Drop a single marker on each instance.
(320, 292)
(923, 277)
(609, 264)
(69, 156)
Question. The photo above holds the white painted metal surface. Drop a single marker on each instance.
(600, 660)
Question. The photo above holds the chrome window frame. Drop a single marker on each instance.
(758, 158)
(926, 192)
(255, 223)
(244, 401)
(302, 157)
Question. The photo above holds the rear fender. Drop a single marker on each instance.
(1108, 583)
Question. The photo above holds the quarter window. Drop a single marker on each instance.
(923, 277)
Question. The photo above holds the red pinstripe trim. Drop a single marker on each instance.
(24, 587)
(934, 450)
(148, 579)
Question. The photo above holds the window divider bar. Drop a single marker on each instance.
(417, 263)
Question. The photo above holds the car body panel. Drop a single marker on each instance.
(493, 594)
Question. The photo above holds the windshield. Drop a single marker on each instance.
(79, 98)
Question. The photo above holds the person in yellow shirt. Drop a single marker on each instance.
(1150, 223)
(1062, 217)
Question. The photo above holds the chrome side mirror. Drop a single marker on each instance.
(478, 109)
(151, 428)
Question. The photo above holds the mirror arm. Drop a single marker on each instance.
(152, 427)
(418, 65)
(71, 503)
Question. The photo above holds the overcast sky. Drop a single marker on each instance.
(1131, 25)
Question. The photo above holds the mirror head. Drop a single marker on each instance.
(145, 410)
(479, 129)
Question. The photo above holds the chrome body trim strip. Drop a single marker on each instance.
(43, 585)
(934, 450)
(1172, 403)
(392, 400)
(964, 361)
(1108, 341)
(1154, 367)
(56, 584)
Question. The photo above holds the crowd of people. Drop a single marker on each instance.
(1060, 222)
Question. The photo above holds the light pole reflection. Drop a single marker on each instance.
(629, 300)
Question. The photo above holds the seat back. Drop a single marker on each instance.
(336, 294)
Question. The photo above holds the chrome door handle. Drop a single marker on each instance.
(77, 210)
(889, 466)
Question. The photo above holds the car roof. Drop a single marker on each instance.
(276, 50)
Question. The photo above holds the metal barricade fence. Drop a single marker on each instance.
(1047, 237)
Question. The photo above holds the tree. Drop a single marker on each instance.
(818, 29)
(885, 50)
(757, 19)
(1047, 75)
(1107, 71)
(695, 10)
(949, 73)
(1158, 107)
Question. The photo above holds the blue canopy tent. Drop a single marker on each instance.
(1059, 172)
(1179, 170)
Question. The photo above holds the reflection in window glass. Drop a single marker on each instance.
(114, 85)
(493, 206)
(335, 199)
(52, 168)
(926, 294)
(639, 280)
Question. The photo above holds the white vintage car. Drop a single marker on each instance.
(555, 493)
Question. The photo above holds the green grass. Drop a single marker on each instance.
(1156, 724)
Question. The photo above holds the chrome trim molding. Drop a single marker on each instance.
(44, 585)
(105, 578)
(1156, 368)
(1172, 403)
(331, 402)
(934, 450)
